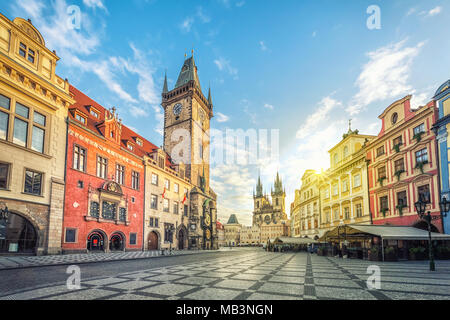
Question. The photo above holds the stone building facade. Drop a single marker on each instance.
(33, 109)
(232, 232)
(187, 116)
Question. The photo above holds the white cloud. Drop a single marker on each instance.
(386, 75)
(222, 118)
(94, 4)
(263, 46)
(225, 65)
(187, 23)
(434, 11)
(268, 106)
(314, 34)
(326, 105)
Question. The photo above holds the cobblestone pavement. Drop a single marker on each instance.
(259, 275)
(33, 261)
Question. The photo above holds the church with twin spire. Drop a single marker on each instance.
(269, 214)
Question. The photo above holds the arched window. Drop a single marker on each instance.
(345, 152)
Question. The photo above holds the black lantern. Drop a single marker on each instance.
(4, 212)
(444, 206)
(421, 206)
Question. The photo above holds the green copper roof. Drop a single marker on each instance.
(233, 219)
(188, 73)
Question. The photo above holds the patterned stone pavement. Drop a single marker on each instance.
(34, 261)
(260, 275)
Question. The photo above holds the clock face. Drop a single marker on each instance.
(267, 219)
(208, 234)
(177, 109)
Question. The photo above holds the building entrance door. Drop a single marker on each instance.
(152, 241)
(95, 241)
(17, 236)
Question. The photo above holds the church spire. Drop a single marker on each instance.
(209, 96)
(188, 73)
(165, 88)
(259, 188)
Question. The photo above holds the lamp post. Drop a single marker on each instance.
(4, 212)
(171, 230)
(421, 208)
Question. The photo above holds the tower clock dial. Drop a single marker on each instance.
(177, 109)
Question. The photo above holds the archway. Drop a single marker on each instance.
(153, 241)
(421, 224)
(95, 241)
(117, 242)
(181, 239)
(17, 235)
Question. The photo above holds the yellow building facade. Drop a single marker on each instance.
(34, 103)
(343, 187)
(307, 206)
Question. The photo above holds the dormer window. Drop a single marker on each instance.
(130, 146)
(94, 113)
(80, 118)
(139, 142)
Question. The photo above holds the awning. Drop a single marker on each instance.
(291, 240)
(385, 232)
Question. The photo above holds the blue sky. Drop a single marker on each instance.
(303, 67)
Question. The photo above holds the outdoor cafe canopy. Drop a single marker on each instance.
(295, 241)
(385, 232)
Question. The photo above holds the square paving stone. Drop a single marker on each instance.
(200, 281)
(267, 296)
(129, 296)
(287, 288)
(235, 284)
(37, 293)
(254, 271)
(297, 280)
(164, 277)
(213, 294)
(248, 276)
(168, 289)
(133, 285)
(336, 283)
(413, 296)
(343, 293)
(104, 282)
(290, 274)
(90, 294)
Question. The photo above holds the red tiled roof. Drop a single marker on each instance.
(82, 105)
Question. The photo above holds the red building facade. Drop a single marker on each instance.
(402, 165)
(104, 202)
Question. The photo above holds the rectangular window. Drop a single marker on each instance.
(186, 210)
(335, 190)
(345, 186)
(336, 214)
(4, 121)
(398, 141)
(5, 102)
(161, 162)
(33, 183)
(176, 187)
(79, 158)
(347, 213)
(109, 210)
(154, 179)
(380, 151)
(37, 140)
(133, 237)
(102, 167)
(135, 181)
(176, 207)
(167, 184)
(399, 165)
(359, 210)
(200, 150)
(71, 235)
(31, 55)
(422, 156)
(384, 203)
(130, 146)
(20, 132)
(151, 222)
(357, 180)
(156, 223)
(381, 172)
(23, 50)
(168, 233)
(424, 193)
(122, 214)
(94, 113)
(166, 205)
(80, 118)
(120, 174)
(154, 202)
(419, 129)
(4, 175)
(401, 198)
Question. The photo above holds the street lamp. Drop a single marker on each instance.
(4, 212)
(171, 230)
(421, 208)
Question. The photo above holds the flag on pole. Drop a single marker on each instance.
(185, 198)
(164, 193)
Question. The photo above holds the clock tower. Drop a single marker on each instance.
(187, 116)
